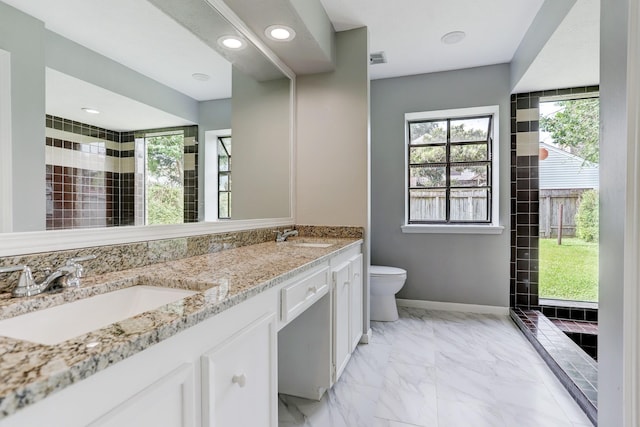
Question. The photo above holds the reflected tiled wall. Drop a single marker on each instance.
(91, 176)
(525, 194)
(190, 174)
(82, 175)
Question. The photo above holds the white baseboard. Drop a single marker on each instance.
(452, 306)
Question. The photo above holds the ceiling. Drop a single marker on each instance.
(142, 37)
(117, 112)
(409, 33)
(571, 57)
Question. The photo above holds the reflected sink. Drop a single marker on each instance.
(60, 323)
(313, 245)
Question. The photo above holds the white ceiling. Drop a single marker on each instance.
(66, 96)
(571, 57)
(140, 36)
(409, 31)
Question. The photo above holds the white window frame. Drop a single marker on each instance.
(211, 173)
(492, 227)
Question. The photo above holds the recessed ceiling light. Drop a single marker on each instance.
(453, 37)
(231, 42)
(90, 110)
(280, 33)
(201, 77)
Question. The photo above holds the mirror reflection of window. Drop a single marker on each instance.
(224, 177)
(164, 172)
(164, 187)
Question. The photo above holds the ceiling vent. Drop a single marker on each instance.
(377, 58)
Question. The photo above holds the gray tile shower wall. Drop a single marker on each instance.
(122, 257)
(525, 194)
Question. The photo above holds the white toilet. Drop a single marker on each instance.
(385, 283)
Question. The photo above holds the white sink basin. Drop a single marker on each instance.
(57, 324)
(313, 245)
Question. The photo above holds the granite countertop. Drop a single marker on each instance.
(31, 372)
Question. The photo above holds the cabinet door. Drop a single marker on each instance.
(355, 304)
(341, 338)
(239, 378)
(167, 402)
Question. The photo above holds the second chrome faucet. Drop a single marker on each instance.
(283, 235)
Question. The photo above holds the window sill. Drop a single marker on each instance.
(452, 229)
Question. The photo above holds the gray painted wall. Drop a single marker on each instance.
(332, 138)
(613, 179)
(471, 269)
(212, 115)
(332, 144)
(260, 148)
(23, 37)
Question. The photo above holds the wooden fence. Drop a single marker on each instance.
(550, 201)
(465, 205)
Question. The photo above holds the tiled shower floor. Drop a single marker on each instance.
(575, 369)
(441, 369)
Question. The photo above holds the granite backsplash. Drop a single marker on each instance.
(112, 258)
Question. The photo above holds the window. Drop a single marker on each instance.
(451, 169)
(224, 177)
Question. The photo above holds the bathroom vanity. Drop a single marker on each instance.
(261, 320)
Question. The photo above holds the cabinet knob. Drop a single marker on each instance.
(313, 289)
(241, 380)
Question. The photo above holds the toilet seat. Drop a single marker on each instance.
(384, 271)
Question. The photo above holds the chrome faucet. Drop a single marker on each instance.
(63, 277)
(282, 236)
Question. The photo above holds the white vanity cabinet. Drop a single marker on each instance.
(321, 324)
(169, 401)
(186, 380)
(294, 338)
(341, 319)
(356, 286)
(239, 378)
(347, 308)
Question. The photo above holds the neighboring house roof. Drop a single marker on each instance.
(562, 170)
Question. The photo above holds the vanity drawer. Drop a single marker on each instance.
(297, 296)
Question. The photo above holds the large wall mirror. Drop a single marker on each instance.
(135, 114)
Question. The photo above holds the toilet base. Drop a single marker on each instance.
(384, 308)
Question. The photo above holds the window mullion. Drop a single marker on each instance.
(448, 174)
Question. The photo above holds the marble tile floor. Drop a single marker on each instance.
(441, 369)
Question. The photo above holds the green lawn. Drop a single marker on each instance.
(568, 271)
